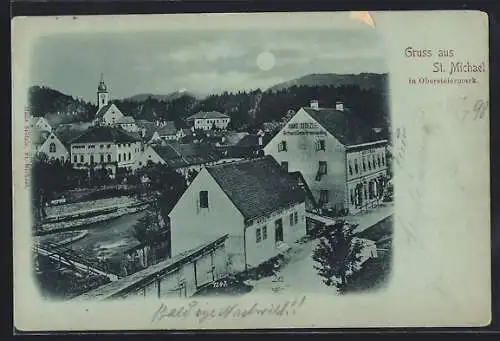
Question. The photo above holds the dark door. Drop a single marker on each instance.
(278, 231)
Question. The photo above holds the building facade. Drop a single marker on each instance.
(209, 120)
(106, 147)
(341, 159)
(254, 202)
(54, 148)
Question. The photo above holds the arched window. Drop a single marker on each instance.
(52, 147)
(124, 157)
(129, 156)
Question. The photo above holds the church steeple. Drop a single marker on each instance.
(102, 93)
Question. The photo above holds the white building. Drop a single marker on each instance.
(108, 113)
(209, 120)
(55, 148)
(108, 147)
(341, 158)
(258, 205)
(40, 123)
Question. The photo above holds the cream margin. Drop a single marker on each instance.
(441, 271)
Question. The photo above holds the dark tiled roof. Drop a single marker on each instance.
(167, 129)
(149, 127)
(207, 114)
(252, 141)
(181, 155)
(258, 186)
(348, 128)
(105, 134)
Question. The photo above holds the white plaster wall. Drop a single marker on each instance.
(193, 226)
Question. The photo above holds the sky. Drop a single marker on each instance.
(199, 61)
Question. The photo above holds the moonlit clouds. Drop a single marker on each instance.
(200, 61)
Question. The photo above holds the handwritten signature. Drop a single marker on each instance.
(236, 310)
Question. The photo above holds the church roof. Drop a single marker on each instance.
(346, 126)
(103, 110)
(257, 187)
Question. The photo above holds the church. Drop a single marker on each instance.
(108, 113)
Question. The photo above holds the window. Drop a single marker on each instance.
(101, 146)
(204, 199)
(321, 170)
(291, 219)
(75, 158)
(352, 196)
(119, 157)
(258, 236)
(129, 144)
(284, 166)
(278, 230)
(91, 158)
(364, 165)
(350, 167)
(295, 217)
(264, 232)
(378, 160)
(124, 157)
(102, 158)
(81, 158)
(282, 146)
(320, 145)
(52, 147)
(383, 160)
(369, 164)
(356, 169)
(323, 196)
(109, 158)
(109, 146)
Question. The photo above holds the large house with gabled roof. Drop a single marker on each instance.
(258, 205)
(342, 159)
(106, 147)
(207, 120)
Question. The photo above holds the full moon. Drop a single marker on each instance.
(266, 61)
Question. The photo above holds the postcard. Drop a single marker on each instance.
(251, 170)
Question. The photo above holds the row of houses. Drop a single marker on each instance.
(251, 210)
(113, 140)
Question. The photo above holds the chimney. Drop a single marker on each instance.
(314, 104)
(339, 105)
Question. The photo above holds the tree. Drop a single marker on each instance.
(337, 256)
